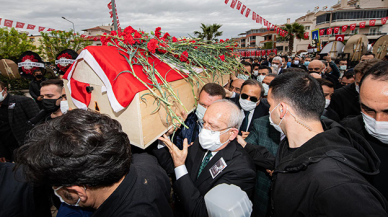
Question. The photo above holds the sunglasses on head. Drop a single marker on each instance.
(251, 98)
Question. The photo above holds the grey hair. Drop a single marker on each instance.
(235, 115)
(277, 58)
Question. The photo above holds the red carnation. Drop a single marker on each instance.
(128, 39)
(227, 39)
(152, 45)
(166, 35)
(162, 45)
(221, 41)
(137, 36)
(103, 39)
(184, 56)
(195, 47)
(192, 41)
(113, 33)
(222, 57)
(129, 30)
(157, 32)
(174, 39)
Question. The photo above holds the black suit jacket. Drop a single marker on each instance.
(345, 102)
(190, 190)
(20, 110)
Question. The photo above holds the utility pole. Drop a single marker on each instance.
(114, 14)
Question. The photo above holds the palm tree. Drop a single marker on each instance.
(209, 32)
(294, 30)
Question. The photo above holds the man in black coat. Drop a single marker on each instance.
(15, 111)
(372, 123)
(34, 88)
(86, 158)
(214, 158)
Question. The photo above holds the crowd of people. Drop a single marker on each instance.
(300, 136)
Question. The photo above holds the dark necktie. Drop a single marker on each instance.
(204, 162)
(244, 125)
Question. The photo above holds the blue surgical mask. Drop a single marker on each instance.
(306, 63)
(200, 112)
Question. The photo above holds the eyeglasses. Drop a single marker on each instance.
(215, 131)
(250, 98)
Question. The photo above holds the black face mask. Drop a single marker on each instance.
(50, 105)
(39, 76)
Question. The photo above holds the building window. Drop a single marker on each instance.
(355, 31)
(355, 15)
(307, 28)
(373, 31)
(325, 18)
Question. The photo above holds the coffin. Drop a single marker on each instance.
(141, 119)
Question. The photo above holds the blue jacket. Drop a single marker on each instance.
(191, 133)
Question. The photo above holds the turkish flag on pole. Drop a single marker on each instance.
(262, 52)
(41, 28)
(226, 1)
(352, 27)
(344, 28)
(329, 31)
(30, 26)
(20, 25)
(243, 9)
(340, 38)
(253, 15)
(8, 23)
(336, 30)
(306, 35)
(372, 22)
(238, 5)
(247, 13)
(362, 25)
(110, 5)
(383, 20)
(321, 31)
(277, 31)
(234, 2)
(111, 14)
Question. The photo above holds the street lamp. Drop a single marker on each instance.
(70, 22)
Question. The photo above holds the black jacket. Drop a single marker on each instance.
(345, 102)
(380, 181)
(191, 133)
(191, 190)
(145, 191)
(34, 88)
(326, 176)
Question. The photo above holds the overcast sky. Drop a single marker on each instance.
(178, 17)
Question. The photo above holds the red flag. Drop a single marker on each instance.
(262, 52)
(234, 2)
(50, 29)
(257, 53)
(306, 35)
(268, 52)
(321, 31)
(30, 26)
(110, 5)
(253, 53)
(226, 1)
(0, 20)
(344, 28)
(329, 31)
(340, 38)
(383, 20)
(243, 9)
(41, 28)
(267, 27)
(8, 23)
(20, 25)
(372, 22)
(253, 15)
(238, 5)
(362, 25)
(336, 30)
(247, 13)
(257, 18)
(275, 51)
(352, 27)
(261, 20)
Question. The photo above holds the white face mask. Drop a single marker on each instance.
(296, 62)
(357, 88)
(60, 198)
(255, 73)
(64, 106)
(200, 112)
(275, 69)
(276, 126)
(327, 103)
(260, 78)
(1, 96)
(247, 105)
(210, 140)
(244, 77)
(343, 67)
(377, 129)
(266, 89)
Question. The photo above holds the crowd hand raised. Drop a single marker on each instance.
(241, 141)
(228, 93)
(244, 134)
(178, 156)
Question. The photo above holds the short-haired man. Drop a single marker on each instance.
(15, 111)
(209, 93)
(372, 123)
(34, 88)
(255, 71)
(213, 159)
(277, 65)
(247, 71)
(262, 72)
(235, 86)
(86, 158)
(343, 65)
(367, 56)
(321, 168)
(347, 78)
(345, 100)
(266, 81)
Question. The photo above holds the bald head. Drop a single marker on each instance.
(224, 113)
(316, 66)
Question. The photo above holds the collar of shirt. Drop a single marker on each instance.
(213, 154)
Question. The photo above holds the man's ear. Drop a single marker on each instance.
(80, 191)
(233, 133)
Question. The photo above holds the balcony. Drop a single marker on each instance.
(253, 42)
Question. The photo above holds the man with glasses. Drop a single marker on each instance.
(215, 147)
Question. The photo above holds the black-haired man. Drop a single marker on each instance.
(34, 88)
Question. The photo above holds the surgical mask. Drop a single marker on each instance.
(327, 103)
(276, 126)
(1, 96)
(266, 89)
(377, 129)
(247, 105)
(50, 105)
(210, 140)
(260, 78)
(357, 88)
(60, 198)
(275, 69)
(255, 73)
(288, 64)
(64, 107)
(244, 77)
(343, 67)
(296, 62)
(200, 112)
(306, 63)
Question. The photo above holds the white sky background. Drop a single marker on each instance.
(178, 17)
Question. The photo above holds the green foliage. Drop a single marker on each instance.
(209, 32)
(13, 44)
(54, 42)
(268, 45)
(294, 30)
(16, 84)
